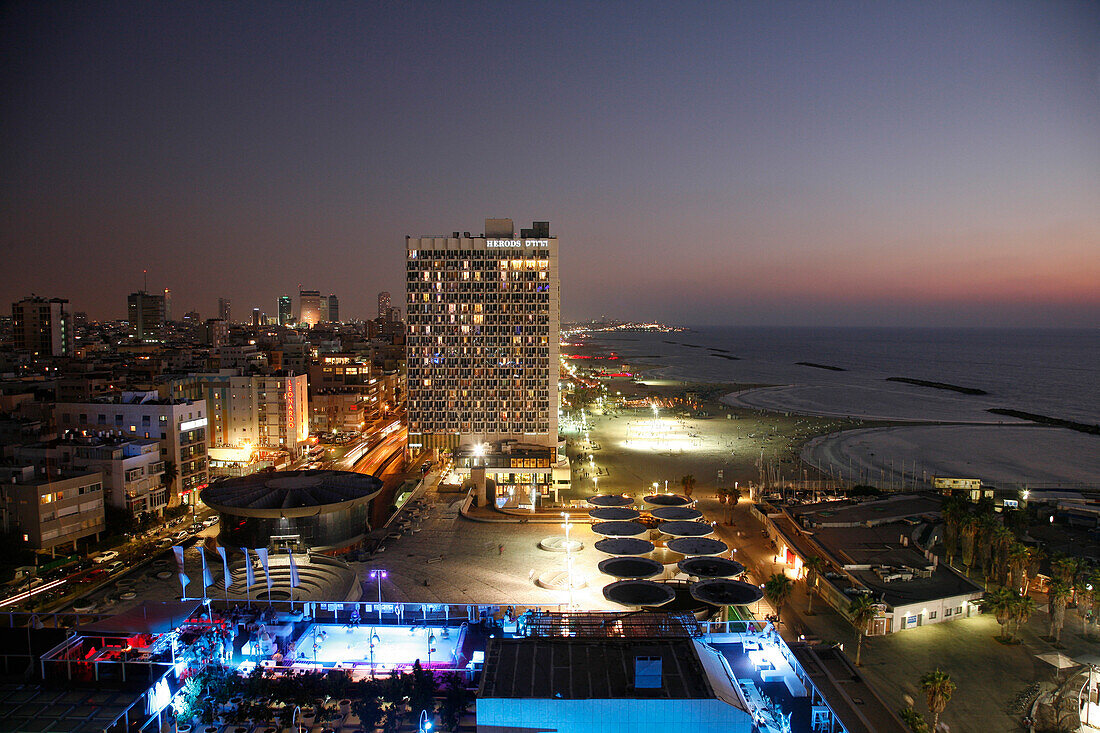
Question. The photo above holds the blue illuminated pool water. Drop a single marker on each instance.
(396, 645)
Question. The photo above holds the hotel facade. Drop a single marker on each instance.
(482, 349)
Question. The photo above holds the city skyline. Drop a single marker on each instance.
(764, 164)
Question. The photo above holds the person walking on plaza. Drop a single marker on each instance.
(500, 549)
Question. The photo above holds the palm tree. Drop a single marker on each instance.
(983, 544)
(1022, 610)
(1067, 569)
(729, 497)
(1035, 561)
(1057, 597)
(1001, 540)
(777, 589)
(1019, 558)
(861, 611)
(815, 566)
(688, 484)
(938, 688)
(968, 534)
(1001, 602)
(955, 509)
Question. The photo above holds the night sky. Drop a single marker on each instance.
(744, 163)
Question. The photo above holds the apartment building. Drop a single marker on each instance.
(179, 425)
(50, 509)
(42, 326)
(131, 467)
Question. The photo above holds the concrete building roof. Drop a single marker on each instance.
(848, 694)
(579, 669)
(290, 493)
(879, 511)
(904, 575)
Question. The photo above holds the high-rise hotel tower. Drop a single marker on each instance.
(482, 340)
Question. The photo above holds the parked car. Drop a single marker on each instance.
(105, 557)
(115, 567)
(181, 535)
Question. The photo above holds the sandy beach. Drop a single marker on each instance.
(1005, 455)
(631, 449)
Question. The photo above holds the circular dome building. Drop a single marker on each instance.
(321, 510)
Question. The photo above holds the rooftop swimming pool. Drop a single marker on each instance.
(329, 644)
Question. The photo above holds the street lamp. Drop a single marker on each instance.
(424, 725)
(379, 575)
(431, 640)
(374, 641)
(568, 559)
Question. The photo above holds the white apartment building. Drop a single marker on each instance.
(131, 467)
(180, 426)
(269, 411)
(132, 471)
(482, 339)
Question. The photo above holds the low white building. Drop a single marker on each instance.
(869, 549)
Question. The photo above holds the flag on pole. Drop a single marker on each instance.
(293, 571)
(207, 578)
(261, 552)
(179, 558)
(184, 580)
(225, 567)
(249, 574)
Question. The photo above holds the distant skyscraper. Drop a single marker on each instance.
(482, 338)
(333, 309)
(42, 326)
(167, 305)
(224, 310)
(215, 332)
(383, 304)
(286, 308)
(145, 312)
(309, 307)
(256, 318)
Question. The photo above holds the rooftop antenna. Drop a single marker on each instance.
(145, 273)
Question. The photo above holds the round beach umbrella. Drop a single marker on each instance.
(686, 529)
(610, 500)
(638, 593)
(691, 546)
(667, 500)
(726, 592)
(630, 567)
(623, 546)
(676, 514)
(619, 529)
(614, 513)
(704, 566)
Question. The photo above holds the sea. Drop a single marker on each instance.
(1051, 372)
